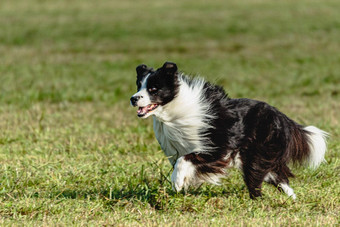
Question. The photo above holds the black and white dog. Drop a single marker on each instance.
(203, 132)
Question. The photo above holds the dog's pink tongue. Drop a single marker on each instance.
(142, 110)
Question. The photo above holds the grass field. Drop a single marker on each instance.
(72, 151)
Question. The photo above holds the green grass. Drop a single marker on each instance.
(72, 151)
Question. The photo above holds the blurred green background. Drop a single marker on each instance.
(72, 150)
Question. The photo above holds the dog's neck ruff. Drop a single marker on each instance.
(181, 124)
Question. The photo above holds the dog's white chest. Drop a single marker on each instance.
(175, 140)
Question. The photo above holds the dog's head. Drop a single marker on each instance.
(155, 88)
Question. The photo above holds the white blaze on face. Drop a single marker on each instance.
(145, 107)
(144, 98)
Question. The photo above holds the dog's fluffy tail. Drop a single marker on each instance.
(307, 145)
(316, 139)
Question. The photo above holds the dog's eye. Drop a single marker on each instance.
(153, 89)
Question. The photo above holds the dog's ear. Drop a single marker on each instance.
(169, 68)
(141, 69)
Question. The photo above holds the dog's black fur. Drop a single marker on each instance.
(261, 137)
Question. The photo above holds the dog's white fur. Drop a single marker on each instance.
(178, 128)
(177, 125)
(317, 145)
(288, 190)
(144, 95)
(184, 175)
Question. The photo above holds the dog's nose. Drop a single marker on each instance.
(134, 100)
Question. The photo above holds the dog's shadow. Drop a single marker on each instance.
(155, 195)
(153, 188)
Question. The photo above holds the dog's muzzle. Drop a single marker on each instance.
(134, 100)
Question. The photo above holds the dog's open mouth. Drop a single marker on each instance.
(142, 111)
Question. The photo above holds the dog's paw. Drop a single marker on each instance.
(183, 175)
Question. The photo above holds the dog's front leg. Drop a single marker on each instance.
(184, 174)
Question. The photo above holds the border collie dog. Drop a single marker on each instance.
(203, 132)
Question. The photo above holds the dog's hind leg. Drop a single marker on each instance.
(253, 179)
(279, 178)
